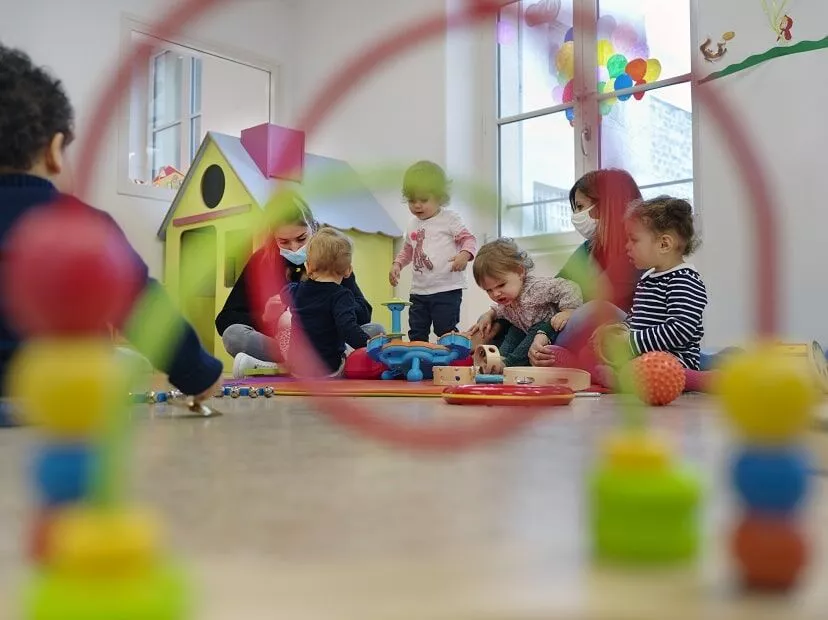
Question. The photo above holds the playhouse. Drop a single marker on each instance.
(214, 213)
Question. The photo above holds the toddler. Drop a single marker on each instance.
(440, 246)
(322, 307)
(670, 298)
(529, 302)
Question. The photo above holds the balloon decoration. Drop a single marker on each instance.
(623, 62)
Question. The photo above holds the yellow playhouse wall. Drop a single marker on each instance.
(372, 260)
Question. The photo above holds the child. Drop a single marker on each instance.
(36, 124)
(670, 298)
(440, 246)
(322, 307)
(530, 303)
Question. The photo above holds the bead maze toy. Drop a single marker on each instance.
(94, 555)
(769, 397)
(414, 360)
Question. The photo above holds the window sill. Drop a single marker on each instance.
(127, 188)
(550, 243)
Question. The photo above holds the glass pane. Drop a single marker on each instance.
(166, 150)
(652, 139)
(641, 41)
(168, 71)
(195, 86)
(537, 169)
(536, 58)
(195, 135)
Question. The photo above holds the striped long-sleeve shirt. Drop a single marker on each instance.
(667, 314)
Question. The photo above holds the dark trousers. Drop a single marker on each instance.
(514, 343)
(440, 309)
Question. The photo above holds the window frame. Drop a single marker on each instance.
(586, 146)
(131, 24)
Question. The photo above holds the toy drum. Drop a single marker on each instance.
(812, 358)
(573, 378)
(453, 375)
(487, 360)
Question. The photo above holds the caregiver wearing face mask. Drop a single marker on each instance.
(248, 321)
(600, 266)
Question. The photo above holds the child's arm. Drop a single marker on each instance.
(345, 318)
(403, 258)
(363, 308)
(463, 238)
(566, 294)
(686, 300)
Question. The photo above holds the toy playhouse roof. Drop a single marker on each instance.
(346, 204)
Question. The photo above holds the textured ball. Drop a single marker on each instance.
(103, 542)
(162, 593)
(771, 552)
(63, 472)
(358, 365)
(772, 480)
(69, 387)
(769, 397)
(656, 377)
(68, 269)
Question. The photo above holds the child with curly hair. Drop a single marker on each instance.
(530, 303)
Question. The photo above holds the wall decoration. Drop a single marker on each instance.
(711, 55)
(780, 22)
(774, 52)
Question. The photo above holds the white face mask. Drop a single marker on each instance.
(584, 224)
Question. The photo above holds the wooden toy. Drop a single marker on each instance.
(510, 395)
(812, 358)
(222, 199)
(769, 395)
(487, 360)
(573, 378)
(452, 375)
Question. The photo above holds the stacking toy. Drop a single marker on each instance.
(769, 398)
(94, 557)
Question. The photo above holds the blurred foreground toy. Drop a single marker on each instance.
(769, 397)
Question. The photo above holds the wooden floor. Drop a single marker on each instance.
(283, 515)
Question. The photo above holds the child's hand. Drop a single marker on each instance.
(274, 308)
(483, 326)
(459, 262)
(394, 274)
(560, 320)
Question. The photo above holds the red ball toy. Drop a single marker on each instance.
(358, 365)
(771, 552)
(658, 378)
(68, 270)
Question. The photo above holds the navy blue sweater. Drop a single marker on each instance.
(327, 312)
(190, 368)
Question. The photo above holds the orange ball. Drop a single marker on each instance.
(771, 551)
(657, 377)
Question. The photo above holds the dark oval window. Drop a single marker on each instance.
(212, 186)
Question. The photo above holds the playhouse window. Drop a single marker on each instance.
(184, 91)
(555, 77)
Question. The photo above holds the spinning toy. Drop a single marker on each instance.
(413, 359)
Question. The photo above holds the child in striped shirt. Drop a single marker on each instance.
(670, 298)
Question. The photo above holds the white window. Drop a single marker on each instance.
(612, 90)
(186, 90)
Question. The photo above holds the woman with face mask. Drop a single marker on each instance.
(600, 266)
(250, 316)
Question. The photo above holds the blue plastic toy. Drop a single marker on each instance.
(396, 306)
(489, 379)
(416, 359)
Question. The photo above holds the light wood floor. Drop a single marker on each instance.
(282, 515)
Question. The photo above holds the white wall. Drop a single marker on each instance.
(780, 105)
(80, 41)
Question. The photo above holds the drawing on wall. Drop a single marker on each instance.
(779, 21)
(711, 55)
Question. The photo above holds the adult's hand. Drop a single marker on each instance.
(541, 352)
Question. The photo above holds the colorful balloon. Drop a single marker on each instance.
(653, 70)
(605, 51)
(616, 65)
(605, 107)
(601, 74)
(639, 96)
(570, 114)
(606, 26)
(621, 82)
(569, 34)
(636, 69)
(565, 61)
(624, 38)
(568, 92)
(557, 94)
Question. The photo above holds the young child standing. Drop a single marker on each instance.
(440, 246)
(324, 309)
(36, 126)
(529, 302)
(670, 298)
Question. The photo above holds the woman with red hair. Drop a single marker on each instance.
(600, 266)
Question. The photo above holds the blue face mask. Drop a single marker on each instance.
(298, 258)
